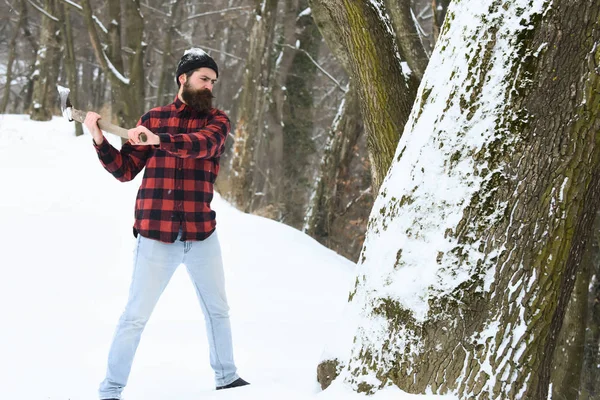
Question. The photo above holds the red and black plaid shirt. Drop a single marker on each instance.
(180, 172)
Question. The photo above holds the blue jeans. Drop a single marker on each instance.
(154, 265)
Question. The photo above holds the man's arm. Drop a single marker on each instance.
(208, 142)
(124, 165)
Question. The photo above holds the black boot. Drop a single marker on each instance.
(236, 383)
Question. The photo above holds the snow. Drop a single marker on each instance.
(439, 188)
(66, 262)
(195, 52)
(73, 4)
(114, 70)
(100, 25)
(305, 12)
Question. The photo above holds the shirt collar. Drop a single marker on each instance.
(179, 105)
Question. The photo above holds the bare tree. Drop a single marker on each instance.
(250, 130)
(47, 64)
(12, 48)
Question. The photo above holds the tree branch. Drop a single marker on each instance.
(214, 12)
(73, 4)
(318, 66)
(40, 9)
(80, 11)
(149, 7)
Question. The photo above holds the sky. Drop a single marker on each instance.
(66, 257)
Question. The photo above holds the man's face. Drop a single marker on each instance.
(196, 91)
(202, 78)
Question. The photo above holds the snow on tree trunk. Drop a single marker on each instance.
(479, 227)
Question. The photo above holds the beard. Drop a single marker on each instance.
(200, 100)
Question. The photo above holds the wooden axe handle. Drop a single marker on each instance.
(79, 116)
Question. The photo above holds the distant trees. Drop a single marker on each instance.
(294, 158)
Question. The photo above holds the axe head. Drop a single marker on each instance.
(65, 102)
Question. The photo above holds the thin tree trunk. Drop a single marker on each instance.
(253, 105)
(119, 92)
(134, 25)
(298, 117)
(45, 76)
(166, 75)
(324, 206)
(11, 57)
(439, 8)
(590, 374)
(69, 61)
(569, 352)
(411, 47)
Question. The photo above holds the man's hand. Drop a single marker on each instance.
(134, 136)
(91, 123)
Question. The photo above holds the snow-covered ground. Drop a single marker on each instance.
(65, 257)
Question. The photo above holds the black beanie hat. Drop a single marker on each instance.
(195, 58)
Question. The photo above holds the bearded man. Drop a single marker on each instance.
(174, 223)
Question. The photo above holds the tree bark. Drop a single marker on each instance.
(411, 47)
(127, 92)
(480, 227)
(134, 26)
(439, 8)
(569, 353)
(252, 108)
(69, 60)
(325, 204)
(12, 50)
(46, 73)
(373, 62)
(298, 117)
(166, 75)
(590, 374)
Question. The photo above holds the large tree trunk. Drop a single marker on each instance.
(253, 105)
(44, 96)
(476, 237)
(366, 46)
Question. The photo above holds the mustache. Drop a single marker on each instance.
(200, 100)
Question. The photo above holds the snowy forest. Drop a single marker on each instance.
(449, 148)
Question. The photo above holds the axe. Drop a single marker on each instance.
(73, 114)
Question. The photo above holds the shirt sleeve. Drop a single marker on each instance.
(125, 164)
(208, 142)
